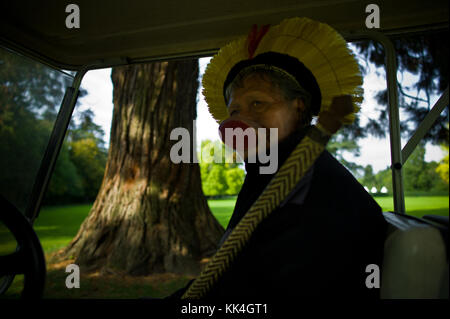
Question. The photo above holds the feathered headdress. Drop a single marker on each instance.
(317, 46)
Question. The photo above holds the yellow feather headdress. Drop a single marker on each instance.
(317, 45)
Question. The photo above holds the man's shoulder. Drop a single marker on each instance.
(326, 163)
(331, 174)
(332, 180)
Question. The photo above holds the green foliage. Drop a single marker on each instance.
(234, 178)
(369, 180)
(30, 97)
(215, 182)
(442, 168)
(419, 176)
(83, 150)
(66, 184)
(30, 94)
(384, 179)
(218, 177)
(90, 161)
(426, 57)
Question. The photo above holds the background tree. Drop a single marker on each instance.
(150, 214)
(88, 153)
(442, 168)
(368, 180)
(426, 57)
(419, 176)
(414, 169)
(30, 97)
(66, 185)
(215, 183)
(89, 161)
(220, 175)
(235, 178)
(81, 163)
(384, 179)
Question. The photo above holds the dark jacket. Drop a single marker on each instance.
(317, 243)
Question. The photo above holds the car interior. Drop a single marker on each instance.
(115, 33)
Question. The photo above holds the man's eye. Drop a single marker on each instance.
(256, 103)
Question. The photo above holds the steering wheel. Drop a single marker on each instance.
(28, 259)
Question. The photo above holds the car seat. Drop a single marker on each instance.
(415, 261)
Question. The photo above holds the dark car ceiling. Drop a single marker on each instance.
(117, 32)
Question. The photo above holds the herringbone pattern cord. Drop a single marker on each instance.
(280, 186)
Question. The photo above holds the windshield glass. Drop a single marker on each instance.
(30, 97)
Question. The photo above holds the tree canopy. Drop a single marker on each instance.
(81, 164)
(424, 56)
(30, 97)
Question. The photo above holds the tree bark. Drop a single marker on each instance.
(150, 215)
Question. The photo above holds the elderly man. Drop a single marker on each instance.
(319, 239)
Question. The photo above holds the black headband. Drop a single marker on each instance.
(290, 65)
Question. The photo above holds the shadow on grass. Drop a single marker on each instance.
(102, 286)
(55, 227)
(422, 212)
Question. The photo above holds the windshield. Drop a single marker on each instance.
(30, 97)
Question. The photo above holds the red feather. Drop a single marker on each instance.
(254, 37)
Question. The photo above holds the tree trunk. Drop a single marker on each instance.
(150, 215)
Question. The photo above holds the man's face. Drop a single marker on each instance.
(259, 104)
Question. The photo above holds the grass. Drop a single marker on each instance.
(56, 226)
(222, 209)
(415, 205)
(418, 206)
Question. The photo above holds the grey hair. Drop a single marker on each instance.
(290, 89)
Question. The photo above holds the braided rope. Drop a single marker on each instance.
(295, 167)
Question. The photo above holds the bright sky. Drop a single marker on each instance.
(373, 151)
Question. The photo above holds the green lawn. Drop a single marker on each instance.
(222, 209)
(56, 226)
(418, 206)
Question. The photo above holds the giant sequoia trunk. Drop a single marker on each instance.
(150, 214)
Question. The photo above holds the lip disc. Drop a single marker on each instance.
(233, 124)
